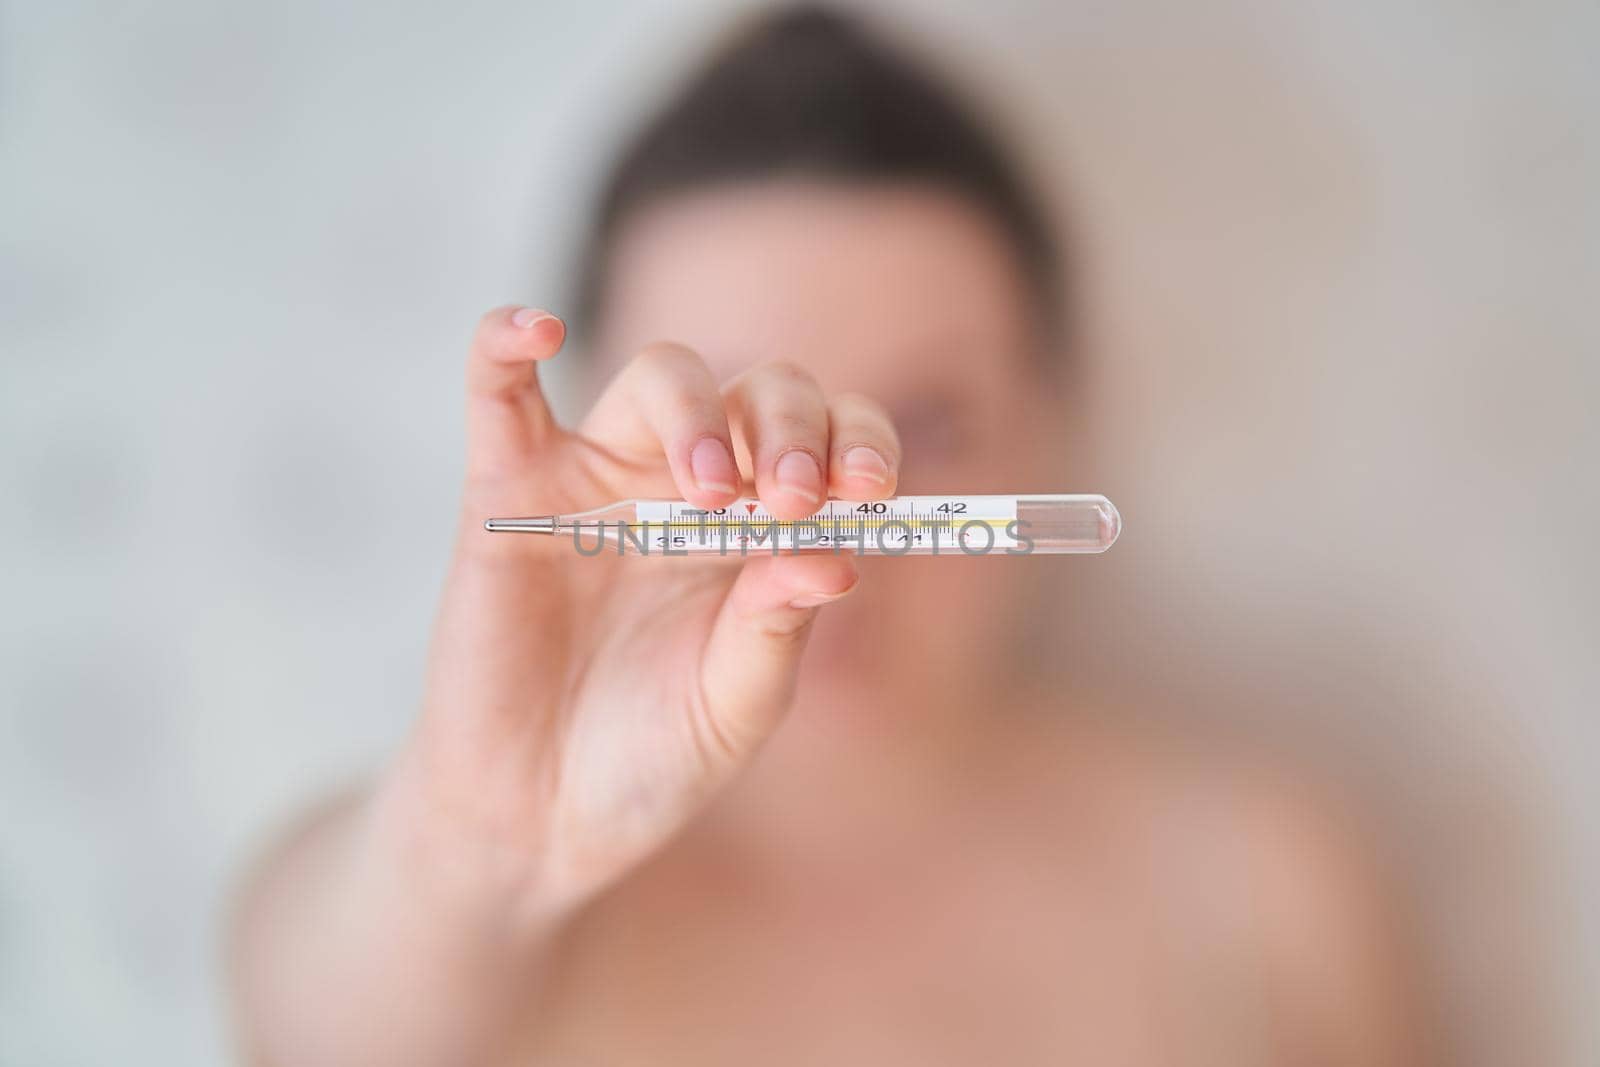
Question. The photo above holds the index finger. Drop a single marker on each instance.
(666, 402)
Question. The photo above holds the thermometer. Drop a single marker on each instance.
(946, 525)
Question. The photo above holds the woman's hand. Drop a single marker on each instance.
(580, 709)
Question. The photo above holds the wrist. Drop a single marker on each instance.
(453, 870)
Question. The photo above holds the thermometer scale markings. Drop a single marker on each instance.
(910, 517)
(917, 525)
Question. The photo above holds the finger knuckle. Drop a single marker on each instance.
(492, 319)
(667, 358)
(787, 630)
(693, 413)
(786, 372)
(787, 427)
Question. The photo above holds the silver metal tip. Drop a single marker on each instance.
(539, 524)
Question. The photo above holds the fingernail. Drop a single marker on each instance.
(816, 600)
(864, 462)
(798, 473)
(712, 466)
(528, 317)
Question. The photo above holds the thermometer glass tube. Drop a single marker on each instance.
(947, 525)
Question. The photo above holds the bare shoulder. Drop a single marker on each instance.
(1263, 875)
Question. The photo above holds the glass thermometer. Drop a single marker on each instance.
(949, 525)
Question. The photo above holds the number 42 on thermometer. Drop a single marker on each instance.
(948, 525)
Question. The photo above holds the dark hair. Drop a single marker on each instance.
(809, 92)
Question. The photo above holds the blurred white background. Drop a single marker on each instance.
(1342, 262)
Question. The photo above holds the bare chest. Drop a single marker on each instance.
(953, 960)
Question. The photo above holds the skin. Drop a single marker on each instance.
(598, 847)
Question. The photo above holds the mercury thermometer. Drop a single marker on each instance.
(949, 525)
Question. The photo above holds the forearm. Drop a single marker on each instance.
(375, 935)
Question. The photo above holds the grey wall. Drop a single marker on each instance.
(1342, 261)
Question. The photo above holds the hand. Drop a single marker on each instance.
(580, 709)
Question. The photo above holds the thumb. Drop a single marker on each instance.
(508, 420)
(753, 653)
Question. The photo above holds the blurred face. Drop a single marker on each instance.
(909, 296)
